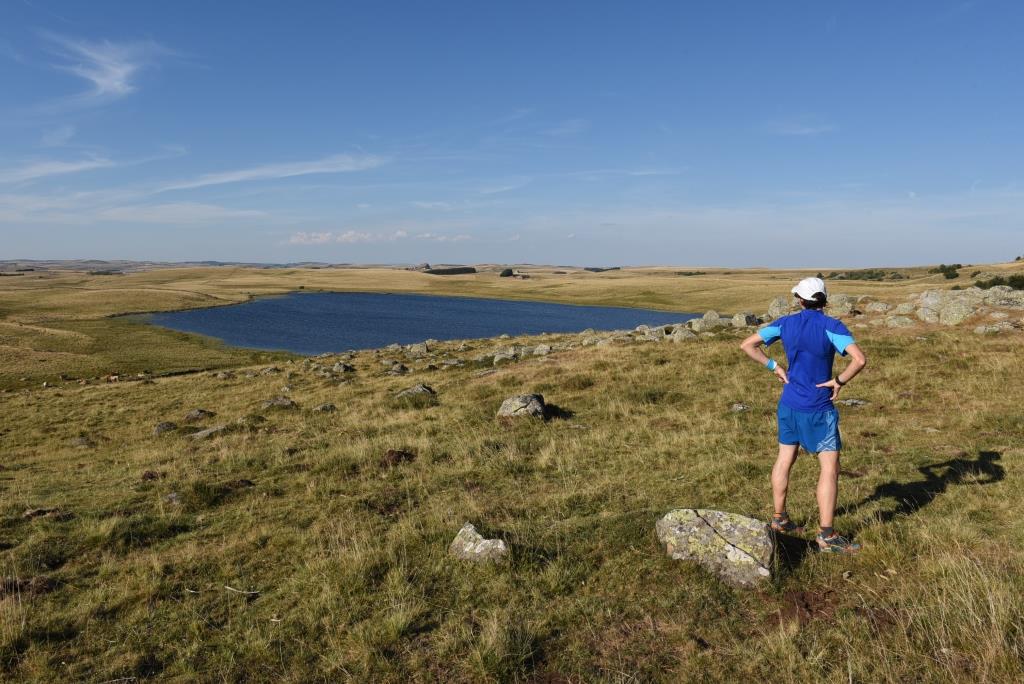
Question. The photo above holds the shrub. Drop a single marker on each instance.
(507, 273)
(949, 271)
(1014, 281)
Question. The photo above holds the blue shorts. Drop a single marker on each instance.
(815, 431)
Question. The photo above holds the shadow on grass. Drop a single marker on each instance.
(910, 497)
(553, 412)
(790, 551)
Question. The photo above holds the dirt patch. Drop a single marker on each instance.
(393, 457)
(804, 606)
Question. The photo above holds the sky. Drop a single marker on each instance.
(798, 133)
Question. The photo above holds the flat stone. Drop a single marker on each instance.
(325, 408)
(280, 402)
(736, 548)
(209, 433)
(851, 402)
(469, 545)
(899, 322)
(416, 391)
(739, 408)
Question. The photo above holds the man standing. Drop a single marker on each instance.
(806, 414)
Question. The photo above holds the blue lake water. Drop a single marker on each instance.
(314, 323)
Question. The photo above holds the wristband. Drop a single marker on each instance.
(840, 382)
(771, 365)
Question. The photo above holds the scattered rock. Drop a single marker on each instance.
(780, 307)
(739, 408)
(681, 334)
(280, 403)
(955, 312)
(877, 307)
(209, 433)
(469, 545)
(737, 549)
(418, 349)
(270, 370)
(852, 402)
(531, 405)
(542, 350)
(195, 415)
(343, 368)
(744, 319)
(904, 309)
(151, 475)
(898, 322)
(504, 356)
(398, 369)
(840, 305)
(164, 426)
(325, 408)
(393, 457)
(928, 315)
(416, 391)
(225, 375)
(51, 513)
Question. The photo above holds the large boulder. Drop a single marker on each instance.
(529, 405)
(928, 314)
(877, 307)
(955, 311)
(899, 322)
(840, 305)
(470, 545)
(736, 548)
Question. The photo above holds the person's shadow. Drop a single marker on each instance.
(910, 497)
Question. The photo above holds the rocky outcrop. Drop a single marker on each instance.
(469, 545)
(738, 549)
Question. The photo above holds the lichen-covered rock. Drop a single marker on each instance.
(744, 319)
(418, 349)
(681, 334)
(899, 322)
(325, 408)
(198, 414)
(877, 307)
(840, 305)
(955, 312)
(530, 405)
(928, 314)
(904, 309)
(698, 325)
(542, 350)
(210, 433)
(779, 307)
(471, 546)
(736, 548)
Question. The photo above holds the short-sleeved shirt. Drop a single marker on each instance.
(811, 340)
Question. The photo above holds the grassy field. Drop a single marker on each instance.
(285, 550)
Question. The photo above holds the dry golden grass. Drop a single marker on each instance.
(349, 557)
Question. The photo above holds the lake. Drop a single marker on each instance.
(315, 323)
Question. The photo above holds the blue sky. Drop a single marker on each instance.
(587, 133)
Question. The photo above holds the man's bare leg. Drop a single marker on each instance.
(828, 487)
(780, 476)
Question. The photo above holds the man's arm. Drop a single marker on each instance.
(752, 348)
(857, 363)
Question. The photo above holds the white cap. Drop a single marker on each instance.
(808, 287)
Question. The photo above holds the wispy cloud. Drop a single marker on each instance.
(110, 68)
(505, 185)
(58, 137)
(46, 168)
(801, 128)
(433, 205)
(568, 127)
(339, 163)
(176, 213)
(512, 116)
(352, 237)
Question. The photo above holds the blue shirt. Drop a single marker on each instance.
(811, 340)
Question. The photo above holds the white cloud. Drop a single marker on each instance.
(175, 213)
(432, 205)
(43, 169)
(568, 127)
(310, 238)
(339, 163)
(58, 137)
(110, 68)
